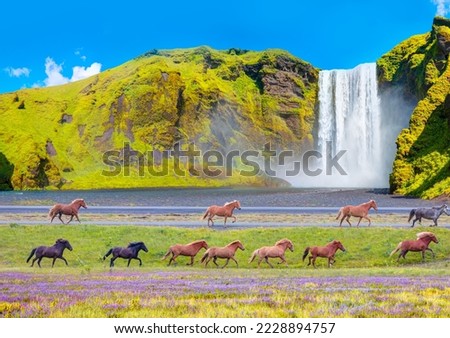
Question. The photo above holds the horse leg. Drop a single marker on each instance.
(342, 219)
(237, 265)
(435, 222)
(210, 219)
(283, 260)
(140, 261)
(34, 260)
(54, 259)
(267, 261)
(367, 218)
(259, 262)
(429, 249)
(39, 261)
(129, 260)
(70, 220)
(348, 220)
(76, 216)
(234, 219)
(226, 263)
(310, 258)
(65, 261)
(225, 222)
(215, 261)
(192, 261)
(59, 216)
(111, 264)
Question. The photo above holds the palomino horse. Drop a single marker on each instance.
(190, 249)
(276, 251)
(67, 209)
(420, 244)
(225, 211)
(226, 252)
(360, 211)
(327, 251)
(432, 213)
(55, 251)
(130, 252)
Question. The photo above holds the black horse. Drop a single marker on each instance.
(432, 213)
(130, 252)
(55, 251)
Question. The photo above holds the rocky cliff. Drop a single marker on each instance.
(420, 66)
(57, 137)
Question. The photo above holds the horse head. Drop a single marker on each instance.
(80, 202)
(339, 245)
(286, 242)
(373, 204)
(204, 245)
(234, 203)
(429, 235)
(65, 243)
(138, 245)
(238, 244)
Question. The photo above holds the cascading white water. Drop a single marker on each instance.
(349, 119)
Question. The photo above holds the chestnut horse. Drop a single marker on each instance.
(130, 252)
(276, 251)
(226, 252)
(225, 211)
(55, 251)
(360, 211)
(67, 209)
(327, 251)
(190, 249)
(420, 244)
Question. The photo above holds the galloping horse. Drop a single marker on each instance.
(226, 252)
(190, 249)
(327, 251)
(360, 211)
(225, 211)
(433, 213)
(55, 251)
(276, 251)
(420, 244)
(130, 252)
(67, 209)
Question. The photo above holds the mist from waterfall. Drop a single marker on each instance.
(354, 117)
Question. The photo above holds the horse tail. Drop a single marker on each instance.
(107, 254)
(31, 254)
(396, 249)
(339, 213)
(167, 254)
(411, 214)
(206, 213)
(305, 253)
(51, 212)
(253, 255)
(204, 256)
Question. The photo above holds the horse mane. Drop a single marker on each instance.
(77, 200)
(424, 234)
(228, 203)
(60, 240)
(234, 242)
(132, 244)
(282, 241)
(195, 242)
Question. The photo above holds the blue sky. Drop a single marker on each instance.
(52, 42)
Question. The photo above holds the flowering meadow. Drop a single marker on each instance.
(364, 282)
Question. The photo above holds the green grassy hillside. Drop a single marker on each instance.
(55, 137)
(420, 64)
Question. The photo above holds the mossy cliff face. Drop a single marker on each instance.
(420, 64)
(56, 137)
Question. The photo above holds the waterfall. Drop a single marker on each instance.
(349, 118)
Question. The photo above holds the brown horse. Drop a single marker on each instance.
(226, 252)
(276, 251)
(420, 244)
(360, 211)
(130, 252)
(55, 251)
(327, 251)
(190, 249)
(67, 209)
(223, 211)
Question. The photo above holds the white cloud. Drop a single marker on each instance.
(80, 72)
(55, 76)
(443, 7)
(17, 72)
(54, 73)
